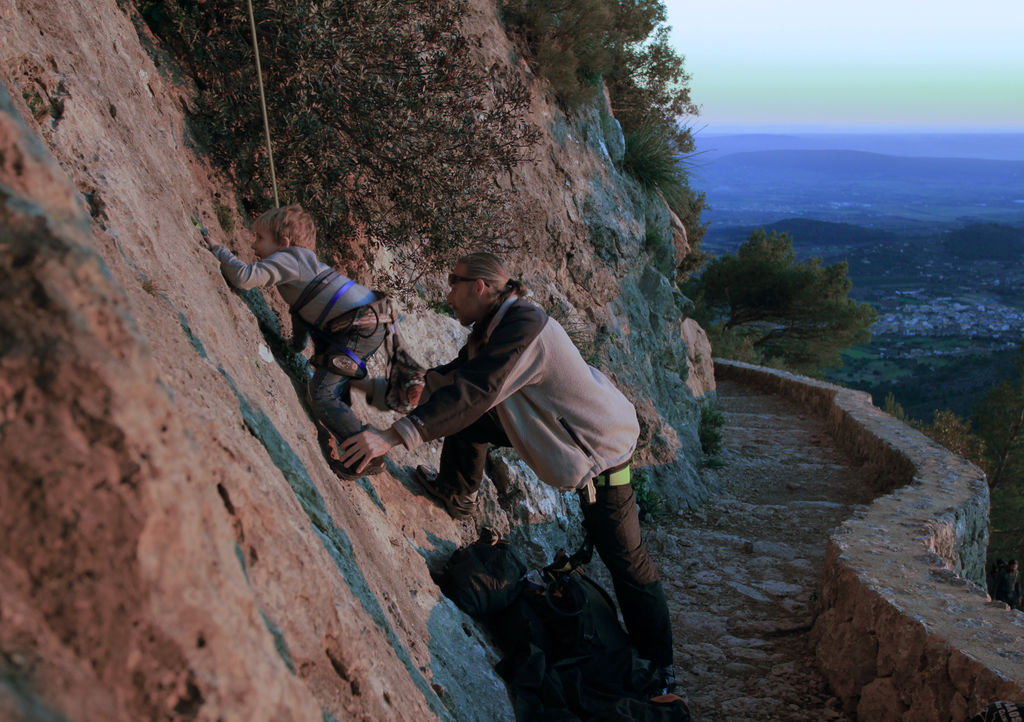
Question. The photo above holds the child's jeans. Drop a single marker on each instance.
(330, 394)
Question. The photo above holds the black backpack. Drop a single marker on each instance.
(566, 655)
(483, 578)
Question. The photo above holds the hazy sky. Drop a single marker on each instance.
(890, 63)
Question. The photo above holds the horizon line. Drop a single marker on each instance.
(850, 129)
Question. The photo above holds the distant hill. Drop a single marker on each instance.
(870, 189)
(993, 146)
(986, 241)
(810, 236)
(854, 165)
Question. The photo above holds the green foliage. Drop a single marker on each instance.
(36, 105)
(731, 343)
(662, 252)
(381, 120)
(689, 207)
(575, 43)
(647, 499)
(150, 286)
(894, 407)
(1000, 421)
(224, 217)
(709, 431)
(794, 315)
(955, 434)
(994, 441)
(565, 41)
(652, 159)
(648, 81)
(442, 308)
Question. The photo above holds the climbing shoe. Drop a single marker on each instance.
(458, 506)
(343, 472)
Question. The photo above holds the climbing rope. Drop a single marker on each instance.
(263, 103)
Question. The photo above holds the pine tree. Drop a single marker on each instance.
(1000, 422)
(792, 314)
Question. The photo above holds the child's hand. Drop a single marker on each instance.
(204, 233)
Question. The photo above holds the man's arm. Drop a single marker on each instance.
(478, 384)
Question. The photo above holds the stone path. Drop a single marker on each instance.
(742, 573)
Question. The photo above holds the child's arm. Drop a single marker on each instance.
(246, 276)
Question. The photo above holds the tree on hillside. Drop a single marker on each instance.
(994, 440)
(986, 241)
(1000, 422)
(763, 303)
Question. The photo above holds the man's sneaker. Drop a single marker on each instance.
(663, 682)
(458, 506)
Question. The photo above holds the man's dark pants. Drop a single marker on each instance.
(611, 522)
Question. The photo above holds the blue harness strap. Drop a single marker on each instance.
(359, 361)
(317, 328)
(330, 304)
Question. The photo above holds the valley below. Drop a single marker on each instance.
(934, 244)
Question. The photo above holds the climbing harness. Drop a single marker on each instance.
(406, 378)
(263, 103)
(339, 358)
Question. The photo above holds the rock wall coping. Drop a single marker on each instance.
(905, 629)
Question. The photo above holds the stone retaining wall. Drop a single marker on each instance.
(905, 629)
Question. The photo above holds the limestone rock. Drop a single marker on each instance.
(175, 544)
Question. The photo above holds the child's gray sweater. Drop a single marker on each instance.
(291, 269)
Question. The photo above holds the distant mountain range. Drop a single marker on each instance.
(991, 146)
(810, 237)
(872, 189)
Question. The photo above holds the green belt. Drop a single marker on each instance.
(615, 477)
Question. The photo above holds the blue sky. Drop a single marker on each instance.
(873, 64)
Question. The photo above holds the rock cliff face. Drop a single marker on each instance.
(174, 544)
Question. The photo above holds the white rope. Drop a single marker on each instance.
(263, 103)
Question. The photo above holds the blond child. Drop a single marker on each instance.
(347, 321)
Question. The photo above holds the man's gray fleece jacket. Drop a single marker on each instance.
(565, 419)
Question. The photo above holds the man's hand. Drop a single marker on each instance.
(358, 451)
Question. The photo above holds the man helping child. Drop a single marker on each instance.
(519, 381)
(348, 322)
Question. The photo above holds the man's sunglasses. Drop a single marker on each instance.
(454, 278)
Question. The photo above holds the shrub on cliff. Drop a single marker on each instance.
(653, 160)
(381, 118)
(576, 43)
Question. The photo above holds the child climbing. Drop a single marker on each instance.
(348, 322)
